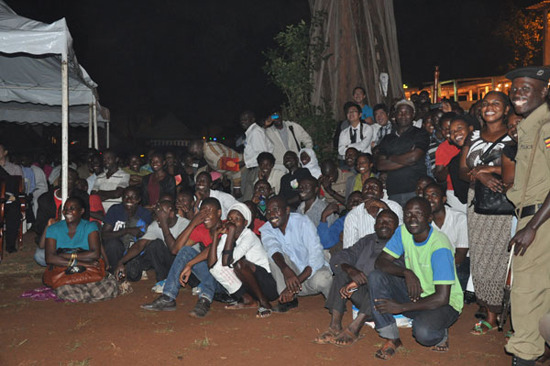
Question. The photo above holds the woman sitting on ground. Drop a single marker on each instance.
(74, 244)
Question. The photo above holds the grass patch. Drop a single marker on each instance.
(323, 357)
(85, 362)
(71, 347)
(15, 344)
(82, 323)
(165, 330)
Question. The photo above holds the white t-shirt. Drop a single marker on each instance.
(155, 232)
(455, 227)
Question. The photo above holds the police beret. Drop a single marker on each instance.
(533, 72)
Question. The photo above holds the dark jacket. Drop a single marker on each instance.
(167, 186)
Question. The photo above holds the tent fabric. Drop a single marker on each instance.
(362, 40)
(79, 115)
(30, 62)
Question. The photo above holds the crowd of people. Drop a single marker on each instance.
(402, 223)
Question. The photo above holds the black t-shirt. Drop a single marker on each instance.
(403, 180)
(289, 184)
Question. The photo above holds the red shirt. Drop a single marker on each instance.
(201, 234)
(257, 225)
(443, 155)
(96, 206)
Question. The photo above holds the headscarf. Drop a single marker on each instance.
(243, 209)
(313, 165)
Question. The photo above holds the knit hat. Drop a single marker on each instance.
(243, 209)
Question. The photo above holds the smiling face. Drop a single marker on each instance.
(157, 163)
(307, 189)
(290, 160)
(265, 166)
(381, 117)
(359, 96)
(385, 225)
(131, 197)
(203, 183)
(135, 163)
(527, 94)
(458, 132)
(277, 213)
(213, 215)
(372, 188)
(262, 188)
(421, 184)
(110, 161)
(354, 200)
(404, 116)
(351, 156)
(417, 218)
(445, 127)
(73, 211)
(435, 196)
(184, 201)
(304, 158)
(363, 165)
(353, 114)
(493, 108)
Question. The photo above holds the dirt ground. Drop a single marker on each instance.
(118, 332)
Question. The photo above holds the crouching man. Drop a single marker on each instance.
(351, 267)
(427, 290)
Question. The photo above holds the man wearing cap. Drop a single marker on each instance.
(402, 154)
(531, 282)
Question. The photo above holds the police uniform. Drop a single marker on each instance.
(530, 297)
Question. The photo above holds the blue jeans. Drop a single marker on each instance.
(208, 284)
(430, 327)
(40, 257)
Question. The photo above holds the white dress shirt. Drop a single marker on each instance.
(256, 143)
(362, 145)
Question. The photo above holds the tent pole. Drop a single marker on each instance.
(107, 126)
(90, 119)
(64, 128)
(96, 140)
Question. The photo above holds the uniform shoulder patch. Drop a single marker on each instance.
(547, 142)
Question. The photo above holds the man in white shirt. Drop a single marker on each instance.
(360, 221)
(256, 143)
(202, 190)
(110, 184)
(358, 135)
(454, 224)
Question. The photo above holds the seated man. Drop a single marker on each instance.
(289, 181)
(238, 261)
(453, 224)
(360, 221)
(124, 223)
(330, 233)
(203, 189)
(296, 256)
(427, 290)
(351, 267)
(159, 244)
(191, 260)
(312, 206)
(333, 180)
(110, 184)
(422, 183)
(184, 204)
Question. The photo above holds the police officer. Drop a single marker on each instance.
(531, 265)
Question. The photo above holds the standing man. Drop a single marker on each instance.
(256, 143)
(286, 136)
(402, 154)
(531, 286)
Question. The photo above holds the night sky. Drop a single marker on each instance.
(203, 60)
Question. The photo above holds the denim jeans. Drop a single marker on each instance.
(40, 257)
(208, 284)
(430, 327)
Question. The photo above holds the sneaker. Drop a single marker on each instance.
(202, 307)
(196, 291)
(159, 287)
(162, 303)
(284, 307)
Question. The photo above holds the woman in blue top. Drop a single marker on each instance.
(71, 234)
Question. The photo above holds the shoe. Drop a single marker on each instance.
(202, 307)
(162, 303)
(469, 297)
(516, 361)
(224, 298)
(284, 307)
(159, 287)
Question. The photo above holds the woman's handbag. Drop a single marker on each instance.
(56, 276)
(487, 202)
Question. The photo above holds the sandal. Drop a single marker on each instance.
(346, 338)
(441, 347)
(388, 349)
(478, 328)
(327, 337)
(263, 312)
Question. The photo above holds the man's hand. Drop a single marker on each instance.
(184, 276)
(348, 290)
(522, 240)
(199, 218)
(373, 206)
(489, 181)
(356, 275)
(120, 272)
(291, 280)
(329, 210)
(286, 296)
(414, 287)
(162, 216)
(325, 183)
(387, 306)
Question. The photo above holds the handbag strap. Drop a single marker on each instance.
(488, 151)
(291, 128)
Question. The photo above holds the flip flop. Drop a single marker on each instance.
(327, 337)
(346, 333)
(388, 349)
(478, 328)
(263, 312)
(241, 306)
(442, 347)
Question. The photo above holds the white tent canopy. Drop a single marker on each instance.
(38, 65)
(23, 113)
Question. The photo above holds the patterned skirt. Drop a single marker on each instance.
(489, 236)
